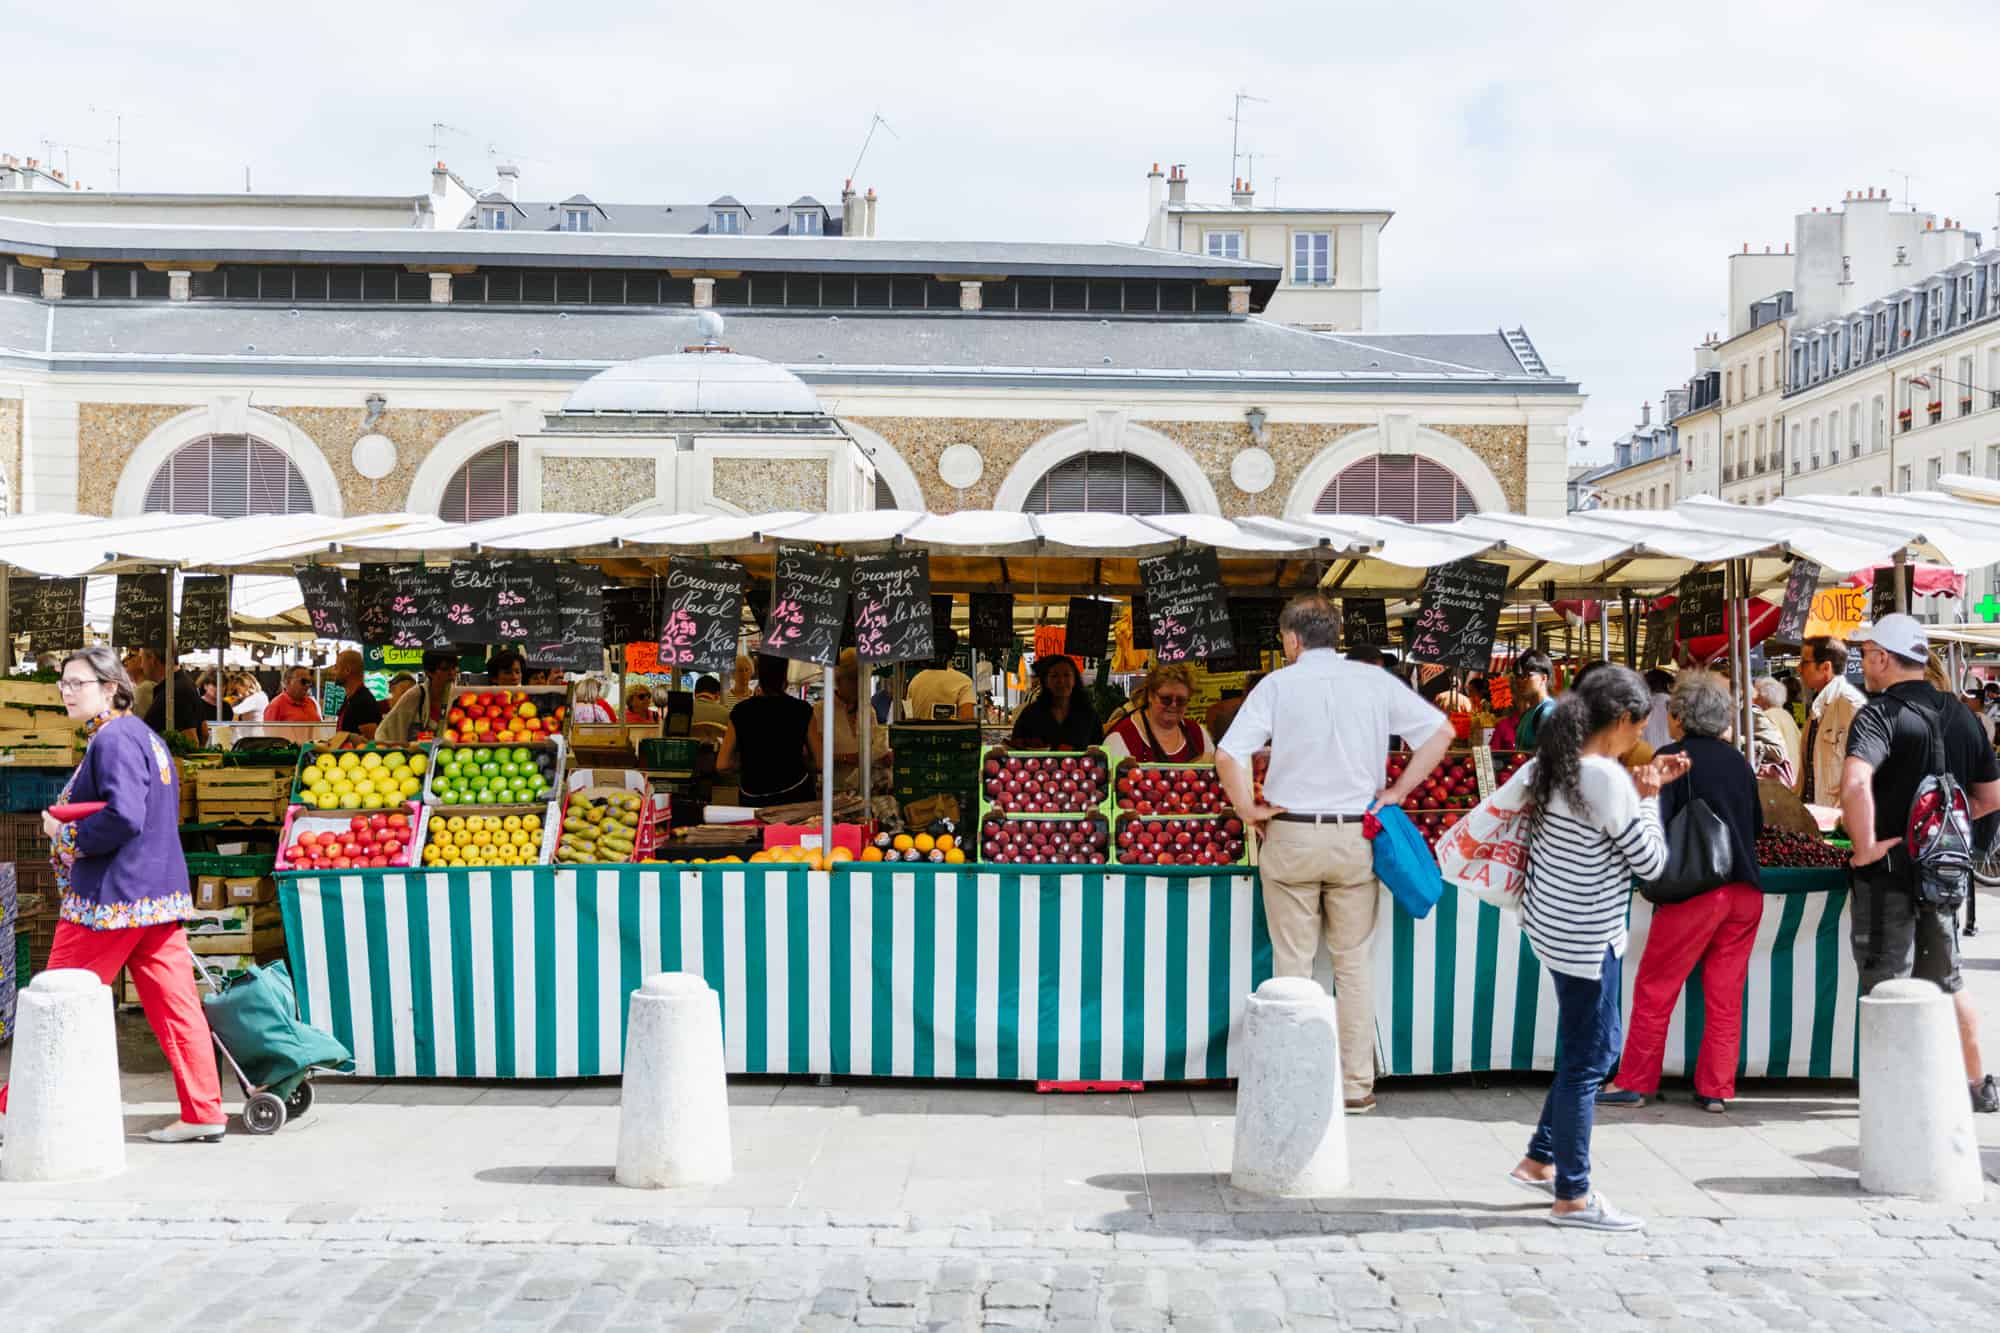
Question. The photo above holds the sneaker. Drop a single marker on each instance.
(1598, 1215)
(182, 1132)
(1545, 1188)
(1613, 1095)
(1713, 1105)
(1986, 1096)
(1360, 1105)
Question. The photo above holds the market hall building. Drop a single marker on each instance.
(478, 370)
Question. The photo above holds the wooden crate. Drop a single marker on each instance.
(30, 694)
(51, 747)
(242, 795)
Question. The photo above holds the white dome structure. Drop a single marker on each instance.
(705, 381)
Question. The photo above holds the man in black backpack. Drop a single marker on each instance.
(1905, 914)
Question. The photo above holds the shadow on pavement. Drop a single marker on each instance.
(568, 1176)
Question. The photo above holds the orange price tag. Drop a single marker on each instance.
(1501, 690)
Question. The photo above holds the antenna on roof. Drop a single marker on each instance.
(1236, 130)
(873, 121)
(438, 128)
(1894, 171)
(116, 143)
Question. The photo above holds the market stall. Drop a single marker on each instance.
(1046, 971)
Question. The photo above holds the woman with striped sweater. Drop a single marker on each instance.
(1596, 826)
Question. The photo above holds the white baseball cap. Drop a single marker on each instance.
(1902, 635)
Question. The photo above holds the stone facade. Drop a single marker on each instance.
(414, 431)
(760, 485)
(597, 485)
(920, 440)
(1215, 444)
(107, 435)
(1504, 450)
(10, 450)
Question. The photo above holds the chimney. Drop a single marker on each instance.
(1645, 415)
(1243, 195)
(868, 212)
(850, 210)
(440, 181)
(510, 180)
(1156, 213)
(1177, 184)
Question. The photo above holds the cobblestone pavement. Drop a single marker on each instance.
(219, 1268)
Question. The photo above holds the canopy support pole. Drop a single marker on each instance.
(173, 664)
(864, 684)
(1739, 640)
(1603, 631)
(828, 701)
(6, 619)
(1903, 580)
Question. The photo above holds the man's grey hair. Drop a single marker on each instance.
(1769, 693)
(1314, 619)
(1701, 701)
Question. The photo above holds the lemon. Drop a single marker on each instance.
(348, 759)
(328, 801)
(455, 823)
(409, 787)
(371, 801)
(371, 760)
(418, 763)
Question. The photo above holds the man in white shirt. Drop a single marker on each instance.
(1823, 751)
(1328, 723)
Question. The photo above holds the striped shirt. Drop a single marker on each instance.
(1581, 867)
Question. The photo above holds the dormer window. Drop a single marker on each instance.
(808, 222)
(1937, 309)
(726, 222)
(494, 218)
(576, 219)
(1224, 244)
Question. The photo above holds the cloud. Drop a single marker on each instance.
(1579, 169)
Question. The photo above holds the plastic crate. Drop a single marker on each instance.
(674, 757)
(22, 840)
(263, 756)
(250, 865)
(31, 790)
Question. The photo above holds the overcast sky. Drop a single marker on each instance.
(1564, 166)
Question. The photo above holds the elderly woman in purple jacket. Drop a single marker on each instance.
(125, 884)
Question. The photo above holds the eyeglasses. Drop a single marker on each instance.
(70, 685)
(1172, 700)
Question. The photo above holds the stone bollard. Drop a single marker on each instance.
(673, 1117)
(1917, 1138)
(1291, 1130)
(65, 1119)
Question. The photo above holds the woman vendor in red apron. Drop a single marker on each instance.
(1158, 730)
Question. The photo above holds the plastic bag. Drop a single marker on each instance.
(1403, 863)
(1486, 852)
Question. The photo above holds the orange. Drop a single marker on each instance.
(925, 842)
(945, 842)
(840, 854)
(871, 853)
(953, 856)
(904, 842)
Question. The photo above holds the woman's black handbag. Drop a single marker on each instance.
(1700, 856)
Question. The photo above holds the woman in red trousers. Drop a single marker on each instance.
(1714, 929)
(124, 883)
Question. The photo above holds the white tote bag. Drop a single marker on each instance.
(1486, 852)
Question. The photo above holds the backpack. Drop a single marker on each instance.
(1937, 835)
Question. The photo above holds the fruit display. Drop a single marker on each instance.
(483, 840)
(600, 825)
(1185, 841)
(1044, 784)
(503, 717)
(1170, 789)
(495, 774)
(1452, 788)
(359, 779)
(382, 840)
(1776, 849)
(936, 843)
(1066, 842)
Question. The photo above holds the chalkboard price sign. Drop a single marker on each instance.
(49, 612)
(330, 603)
(992, 623)
(375, 603)
(204, 612)
(1364, 620)
(1885, 597)
(1184, 602)
(1699, 609)
(1659, 639)
(579, 643)
(632, 615)
(704, 614)
(1254, 622)
(808, 607)
(418, 606)
(892, 608)
(941, 609)
(1799, 589)
(526, 609)
(1459, 616)
(1087, 627)
(139, 616)
(471, 610)
(1142, 624)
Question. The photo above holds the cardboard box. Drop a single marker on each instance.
(257, 891)
(211, 893)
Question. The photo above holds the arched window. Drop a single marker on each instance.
(1108, 482)
(1413, 489)
(488, 486)
(228, 476)
(885, 496)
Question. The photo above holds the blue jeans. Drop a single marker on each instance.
(1587, 1032)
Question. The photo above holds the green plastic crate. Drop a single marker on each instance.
(248, 865)
(675, 756)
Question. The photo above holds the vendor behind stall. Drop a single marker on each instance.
(423, 707)
(1159, 731)
(1059, 717)
(360, 711)
(940, 692)
(765, 745)
(506, 667)
(847, 732)
(295, 702)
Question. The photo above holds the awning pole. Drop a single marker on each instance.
(173, 666)
(828, 701)
(1903, 581)
(6, 619)
(864, 684)
(1603, 630)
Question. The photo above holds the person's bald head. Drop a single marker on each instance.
(347, 667)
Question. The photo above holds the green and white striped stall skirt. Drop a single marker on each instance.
(974, 972)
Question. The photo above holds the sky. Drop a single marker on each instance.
(1569, 168)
